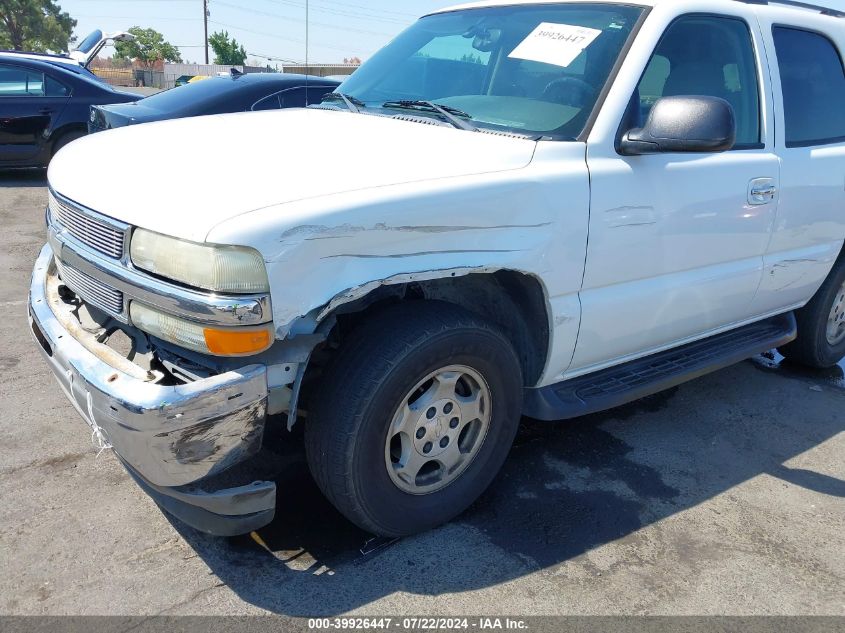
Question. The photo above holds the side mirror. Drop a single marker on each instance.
(683, 124)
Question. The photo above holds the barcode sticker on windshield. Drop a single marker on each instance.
(557, 44)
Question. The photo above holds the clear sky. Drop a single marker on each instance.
(274, 28)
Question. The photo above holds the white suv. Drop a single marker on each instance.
(515, 208)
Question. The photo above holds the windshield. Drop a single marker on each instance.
(529, 69)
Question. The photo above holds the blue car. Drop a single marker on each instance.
(217, 95)
(44, 105)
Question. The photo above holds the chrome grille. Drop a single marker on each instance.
(91, 290)
(92, 231)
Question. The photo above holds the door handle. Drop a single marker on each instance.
(761, 191)
(45, 111)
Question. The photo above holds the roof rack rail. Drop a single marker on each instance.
(836, 13)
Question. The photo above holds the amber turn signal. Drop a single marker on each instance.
(238, 341)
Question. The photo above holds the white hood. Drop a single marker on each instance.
(184, 177)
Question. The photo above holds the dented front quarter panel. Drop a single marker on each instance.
(326, 251)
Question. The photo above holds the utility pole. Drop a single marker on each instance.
(205, 26)
(307, 34)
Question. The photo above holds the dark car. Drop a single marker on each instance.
(216, 95)
(45, 105)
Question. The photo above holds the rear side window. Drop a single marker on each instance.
(293, 98)
(55, 88)
(813, 82)
(316, 93)
(17, 82)
(268, 103)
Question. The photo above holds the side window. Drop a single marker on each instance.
(294, 98)
(268, 103)
(316, 93)
(707, 56)
(813, 83)
(291, 98)
(17, 82)
(55, 88)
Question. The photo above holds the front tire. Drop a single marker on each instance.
(821, 324)
(414, 417)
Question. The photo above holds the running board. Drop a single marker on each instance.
(642, 377)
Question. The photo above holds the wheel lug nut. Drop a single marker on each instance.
(427, 448)
(431, 413)
(444, 442)
(448, 408)
(453, 423)
(420, 433)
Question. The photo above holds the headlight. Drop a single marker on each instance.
(235, 269)
(233, 341)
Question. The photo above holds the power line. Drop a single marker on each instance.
(344, 13)
(280, 37)
(129, 17)
(272, 58)
(342, 6)
(403, 14)
(291, 19)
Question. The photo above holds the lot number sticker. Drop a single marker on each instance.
(557, 44)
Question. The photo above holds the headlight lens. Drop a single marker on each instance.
(235, 269)
(233, 341)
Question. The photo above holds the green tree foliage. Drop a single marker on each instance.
(472, 59)
(35, 25)
(227, 51)
(148, 48)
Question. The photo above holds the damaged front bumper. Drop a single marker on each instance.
(173, 440)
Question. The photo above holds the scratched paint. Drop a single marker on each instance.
(529, 216)
(313, 232)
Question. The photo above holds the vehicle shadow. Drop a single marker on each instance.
(35, 177)
(566, 489)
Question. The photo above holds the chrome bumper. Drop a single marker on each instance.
(169, 437)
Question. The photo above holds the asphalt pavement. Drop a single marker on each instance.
(723, 496)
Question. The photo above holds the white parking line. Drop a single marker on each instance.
(9, 304)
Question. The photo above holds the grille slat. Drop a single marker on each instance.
(88, 234)
(91, 290)
(93, 232)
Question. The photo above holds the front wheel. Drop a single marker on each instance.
(414, 418)
(66, 139)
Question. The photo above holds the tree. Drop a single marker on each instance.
(148, 48)
(227, 51)
(35, 25)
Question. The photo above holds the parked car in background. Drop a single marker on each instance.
(216, 95)
(184, 80)
(83, 54)
(44, 105)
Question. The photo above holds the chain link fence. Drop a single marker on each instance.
(136, 77)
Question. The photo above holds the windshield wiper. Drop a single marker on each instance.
(453, 115)
(351, 102)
